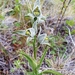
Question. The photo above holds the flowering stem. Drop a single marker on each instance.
(43, 56)
(34, 47)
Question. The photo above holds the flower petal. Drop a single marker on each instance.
(21, 32)
(37, 3)
(29, 39)
(43, 39)
(32, 31)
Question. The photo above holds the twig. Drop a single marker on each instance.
(70, 36)
(63, 12)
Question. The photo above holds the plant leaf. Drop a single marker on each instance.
(70, 22)
(51, 72)
(30, 73)
(42, 58)
(73, 32)
(31, 61)
(17, 24)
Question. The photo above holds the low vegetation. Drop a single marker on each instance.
(37, 37)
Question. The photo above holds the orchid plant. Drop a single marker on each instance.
(35, 37)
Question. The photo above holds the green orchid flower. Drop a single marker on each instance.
(36, 13)
(43, 38)
(30, 33)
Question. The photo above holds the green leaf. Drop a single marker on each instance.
(17, 24)
(17, 63)
(42, 58)
(31, 61)
(48, 62)
(30, 73)
(11, 13)
(1, 17)
(73, 32)
(14, 41)
(62, 0)
(53, 52)
(51, 72)
(17, 8)
(3, 27)
(70, 22)
(16, 1)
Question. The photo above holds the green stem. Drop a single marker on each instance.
(42, 58)
(34, 47)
